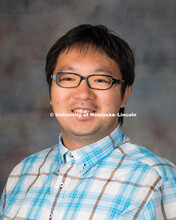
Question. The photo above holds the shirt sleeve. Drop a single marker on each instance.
(168, 201)
(1, 205)
(162, 203)
(11, 182)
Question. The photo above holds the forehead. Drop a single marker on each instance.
(87, 59)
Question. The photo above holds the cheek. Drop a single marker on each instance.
(112, 98)
(57, 101)
(112, 101)
(60, 99)
(58, 95)
(56, 98)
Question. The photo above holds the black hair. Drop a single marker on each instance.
(101, 38)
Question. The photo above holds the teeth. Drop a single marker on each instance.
(82, 111)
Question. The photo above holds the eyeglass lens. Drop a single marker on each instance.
(95, 81)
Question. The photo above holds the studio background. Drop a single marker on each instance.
(27, 31)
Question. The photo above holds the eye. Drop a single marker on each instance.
(101, 81)
(66, 79)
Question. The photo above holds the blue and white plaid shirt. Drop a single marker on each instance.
(110, 179)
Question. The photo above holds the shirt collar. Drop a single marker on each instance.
(88, 156)
(63, 151)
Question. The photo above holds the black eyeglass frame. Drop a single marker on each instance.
(114, 81)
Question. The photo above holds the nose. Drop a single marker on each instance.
(83, 92)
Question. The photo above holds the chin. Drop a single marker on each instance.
(84, 131)
(91, 129)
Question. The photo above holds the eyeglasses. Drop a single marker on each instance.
(96, 81)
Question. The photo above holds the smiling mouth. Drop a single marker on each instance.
(83, 111)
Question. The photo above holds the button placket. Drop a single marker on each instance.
(59, 166)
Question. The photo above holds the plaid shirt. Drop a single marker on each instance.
(110, 179)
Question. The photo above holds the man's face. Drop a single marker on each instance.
(82, 130)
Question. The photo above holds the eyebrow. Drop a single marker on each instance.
(103, 70)
(99, 70)
(67, 68)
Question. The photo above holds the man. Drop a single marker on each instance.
(95, 172)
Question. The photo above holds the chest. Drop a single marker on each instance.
(99, 194)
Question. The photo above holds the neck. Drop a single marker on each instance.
(73, 142)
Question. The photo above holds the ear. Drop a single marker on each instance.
(125, 97)
(51, 102)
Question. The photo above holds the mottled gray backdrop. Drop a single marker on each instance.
(28, 29)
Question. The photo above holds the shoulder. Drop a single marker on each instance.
(35, 161)
(164, 168)
(25, 174)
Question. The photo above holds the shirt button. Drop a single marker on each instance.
(59, 166)
(61, 185)
(84, 166)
